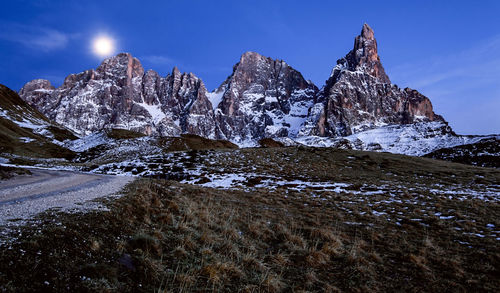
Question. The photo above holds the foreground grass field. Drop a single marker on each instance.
(381, 230)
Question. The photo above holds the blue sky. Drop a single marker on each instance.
(448, 50)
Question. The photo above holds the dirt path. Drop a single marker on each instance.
(25, 196)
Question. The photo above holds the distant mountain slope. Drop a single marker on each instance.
(485, 153)
(118, 146)
(414, 139)
(25, 131)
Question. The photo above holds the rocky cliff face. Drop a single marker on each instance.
(359, 96)
(262, 98)
(118, 94)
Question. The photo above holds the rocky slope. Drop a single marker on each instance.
(262, 98)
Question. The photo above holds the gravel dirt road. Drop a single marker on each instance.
(25, 196)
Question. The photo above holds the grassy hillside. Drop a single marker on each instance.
(11, 102)
(25, 131)
(392, 223)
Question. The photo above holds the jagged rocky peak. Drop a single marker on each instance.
(359, 96)
(186, 101)
(183, 90)
(263, 97)
(250, 57)
(119, 94)
(253, 65)
(151, 87)
(364, 56)
(121, 65)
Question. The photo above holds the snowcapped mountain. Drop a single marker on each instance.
(359, 96)
(119, 94)
(262, 98)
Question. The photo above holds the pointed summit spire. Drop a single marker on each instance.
(364, 56)
(175, 71)
(367, 32)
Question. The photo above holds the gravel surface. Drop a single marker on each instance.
(24, 196)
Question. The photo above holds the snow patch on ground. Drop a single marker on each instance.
(412, 139)
(88, 142)
(26, 139)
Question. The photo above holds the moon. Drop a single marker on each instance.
(103, 46)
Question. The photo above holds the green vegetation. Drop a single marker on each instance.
(165, 236)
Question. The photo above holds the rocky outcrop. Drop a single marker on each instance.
(263, 98)
(118, 94)
(359, 96)
(364, 56)
(37, 92)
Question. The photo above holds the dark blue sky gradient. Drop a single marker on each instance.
(448, 50)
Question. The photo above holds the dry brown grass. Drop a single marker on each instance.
(173, 237)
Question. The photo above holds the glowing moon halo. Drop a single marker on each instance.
(103, 46)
